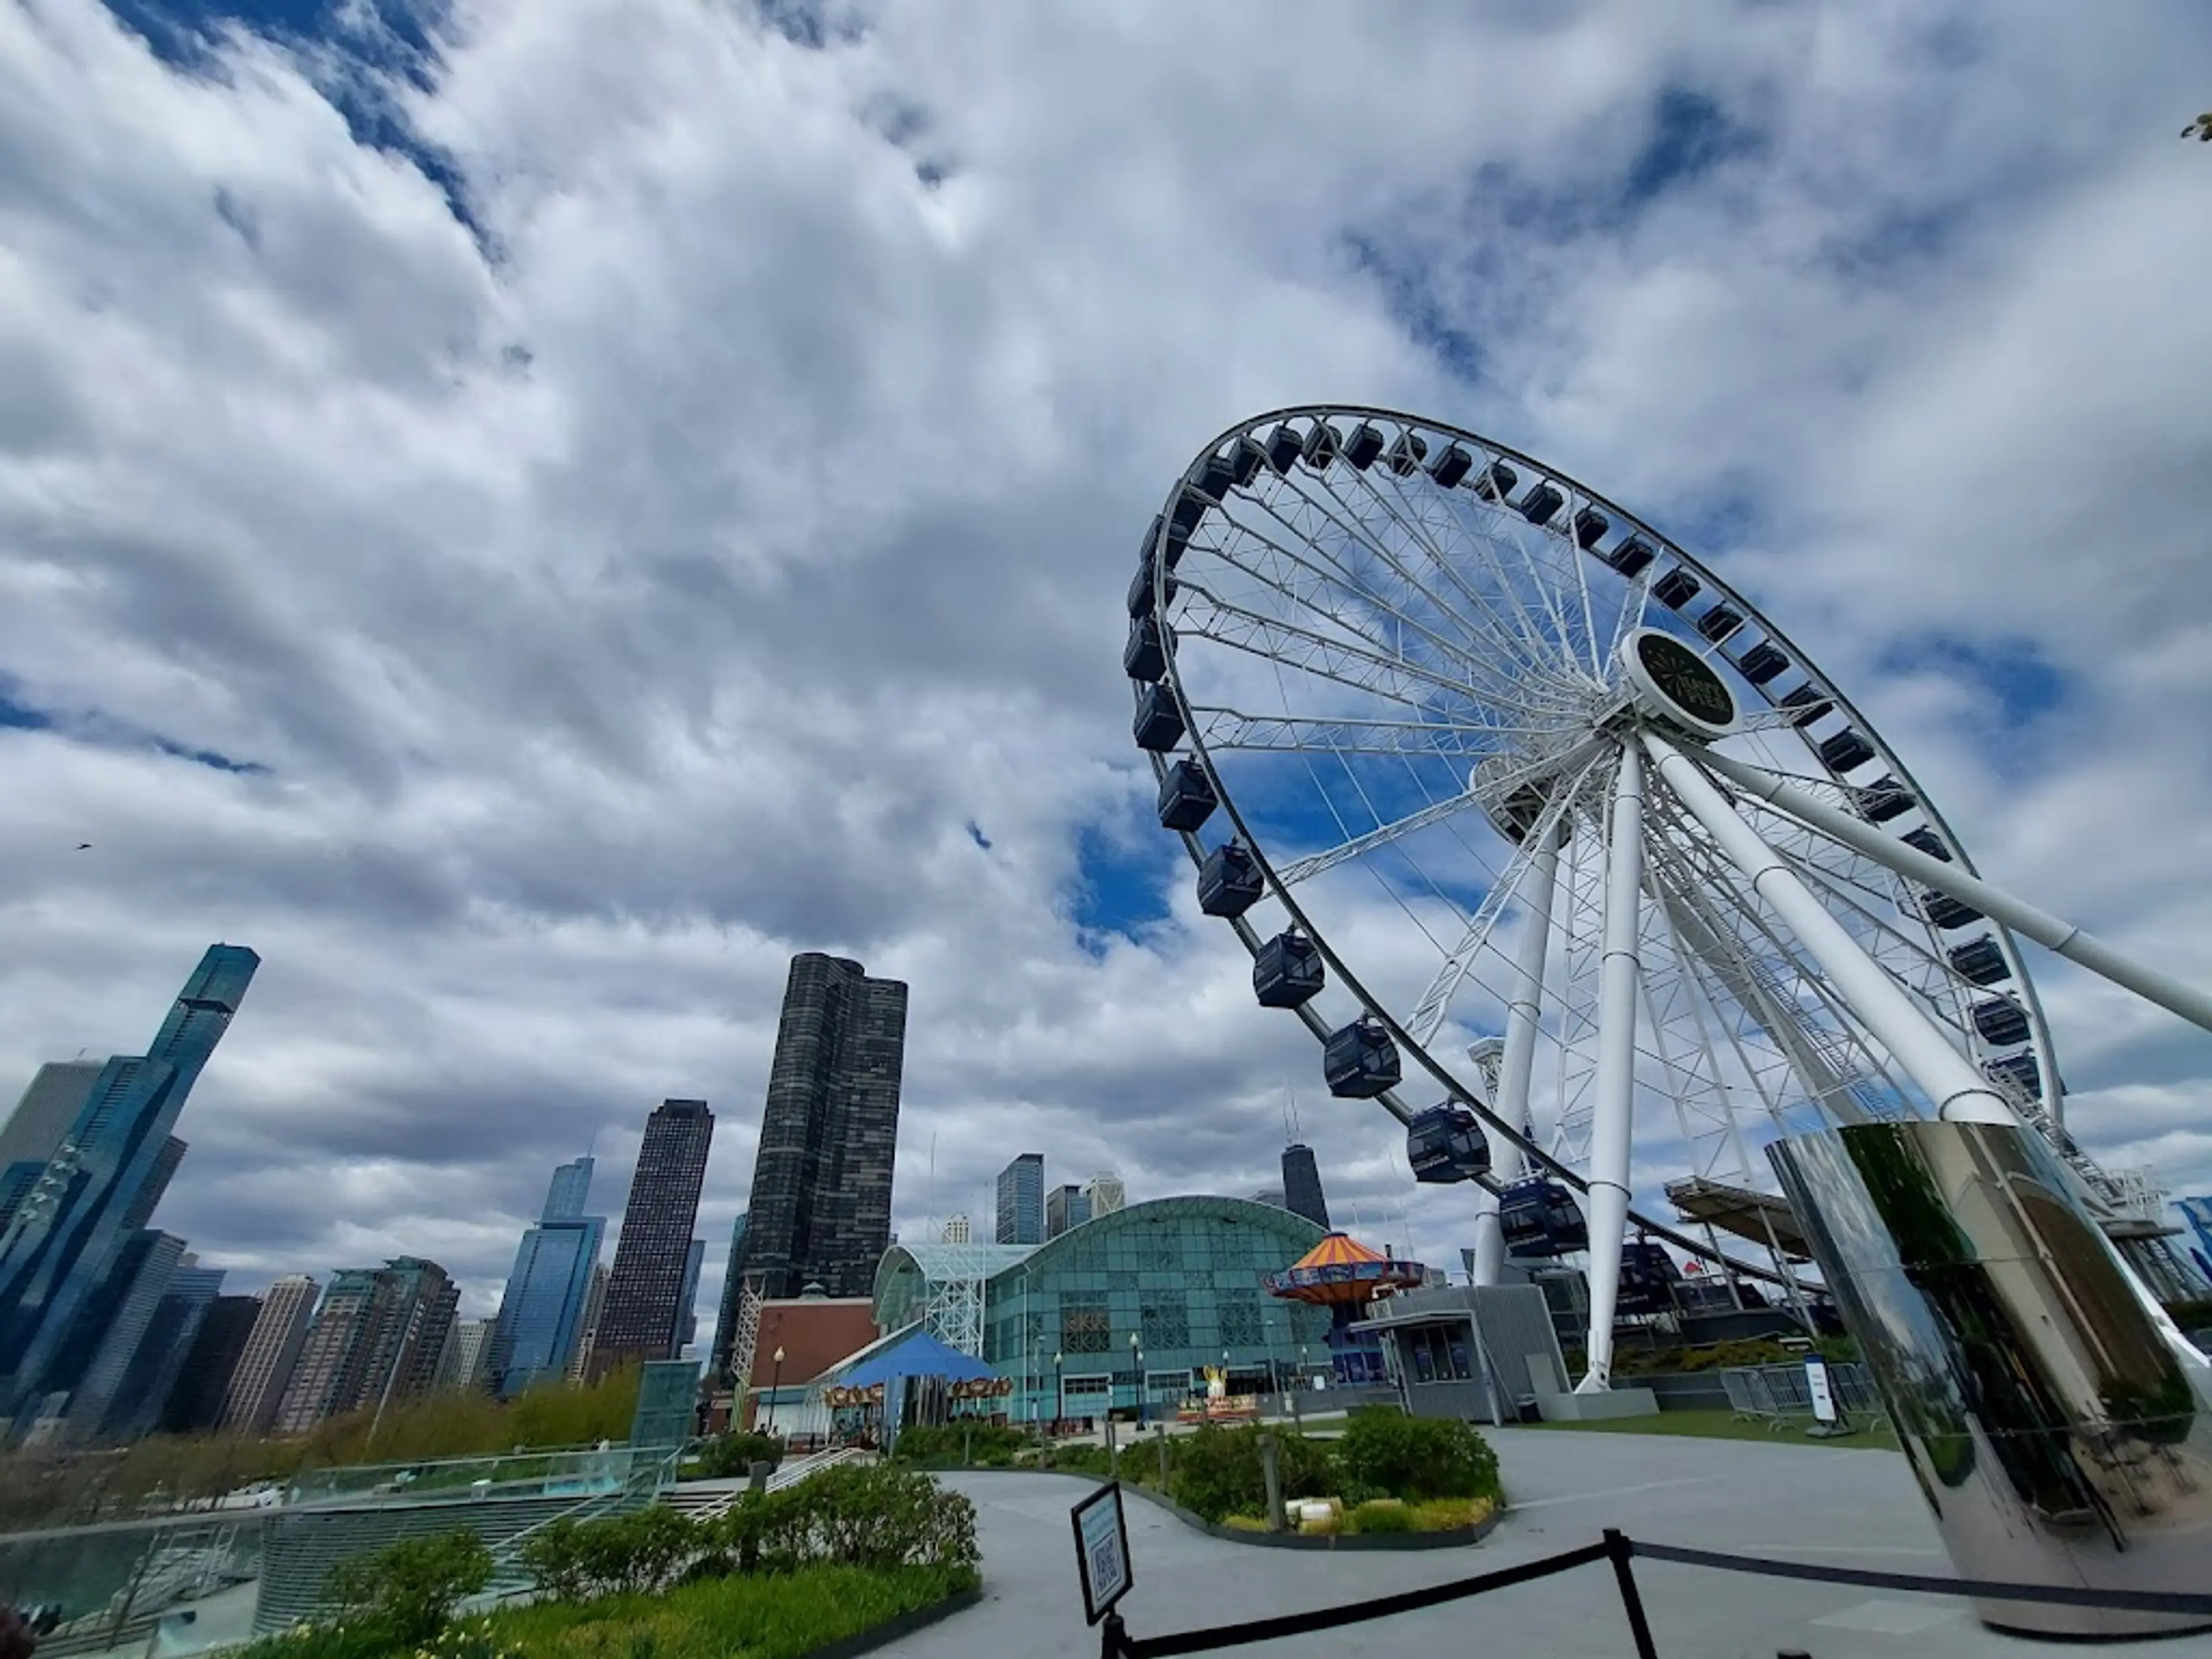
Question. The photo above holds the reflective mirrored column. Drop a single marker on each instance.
(2057, 1436)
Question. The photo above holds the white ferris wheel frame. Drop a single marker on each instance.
(1917, 1046)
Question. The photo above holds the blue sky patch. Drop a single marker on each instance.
(356, 49)
(1413, 305)
(17, 714)
(2015, 676)
(1691, 136)
(1120, 885)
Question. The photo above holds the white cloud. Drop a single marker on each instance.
(667, 589)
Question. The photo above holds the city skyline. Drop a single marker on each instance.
(531, 748)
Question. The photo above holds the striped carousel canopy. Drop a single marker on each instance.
(1339, 1269)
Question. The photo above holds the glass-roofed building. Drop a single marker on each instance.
(1181, 1276)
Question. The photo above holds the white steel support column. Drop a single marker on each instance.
(1619, 973)
(1959, 1092)
(1522, 1014)
(2192, 1004)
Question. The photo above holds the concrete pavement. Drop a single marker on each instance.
(1804, 1503)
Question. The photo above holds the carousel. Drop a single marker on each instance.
(1343, 1276)
(917, 1379)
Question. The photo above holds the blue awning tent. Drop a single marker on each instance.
(917, 1355)
(920, 1355)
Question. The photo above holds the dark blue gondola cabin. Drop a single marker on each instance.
(1145, 656)
(1157, 725)
(1186, 800)
(1648, 1278)
(1540, 1218)
(1360, 1062)
(1229, 881)
(1445, 1144)
(1287, 973)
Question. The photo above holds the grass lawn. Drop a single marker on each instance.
(1717, 1425)
(746, 1616)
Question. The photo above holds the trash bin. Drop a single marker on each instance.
(1526, 1410)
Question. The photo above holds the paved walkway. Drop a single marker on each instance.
(1807, 1503)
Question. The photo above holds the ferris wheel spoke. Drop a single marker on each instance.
(1537, 656)
(1435, 1004)
(1307, 581)
(1557, 647)
(1233, 729)
(1305, 869)
(1358, 666)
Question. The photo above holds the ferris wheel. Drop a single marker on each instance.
(1570, 859)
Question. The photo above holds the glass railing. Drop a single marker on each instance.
(573, 1472)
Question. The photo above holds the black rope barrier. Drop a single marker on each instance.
(1299, 1624)
(1985, 1590)
(1619, 1548)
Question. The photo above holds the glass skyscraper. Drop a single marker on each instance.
(541, 1319)
(1020, 1219)
(725, 1326)
(643, 1316)
(821, 1209)
(64, 1251)
(1302, 1192)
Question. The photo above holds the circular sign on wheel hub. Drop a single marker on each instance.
(1675, 684)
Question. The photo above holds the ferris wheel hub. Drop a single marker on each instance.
(1675, 686)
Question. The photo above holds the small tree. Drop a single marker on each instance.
(410, 1588)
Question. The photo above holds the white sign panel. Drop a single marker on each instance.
(1824, 1398)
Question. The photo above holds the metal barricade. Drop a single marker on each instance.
(1749, 1401)
(1791, 1394)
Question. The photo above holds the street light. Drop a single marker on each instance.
(1137, 1373)
(776, 1381)
(1059, 1393)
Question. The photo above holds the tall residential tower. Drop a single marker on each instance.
(821, 1209)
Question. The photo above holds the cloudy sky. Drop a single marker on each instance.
(529, 513)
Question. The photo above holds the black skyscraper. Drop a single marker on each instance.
(821, 1210)
(1302, 1193)
(645, 1292)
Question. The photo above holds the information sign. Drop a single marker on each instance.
(1823, 1397)
(1101, 1551)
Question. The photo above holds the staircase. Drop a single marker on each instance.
(703, 1500)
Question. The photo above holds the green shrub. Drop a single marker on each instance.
(857, 1516)
(407, 1590)
(1416, 1458)
(1081, 1458)
(731, 1455)
(1380, 1515)
(1215, 1472)
(632, 1554)
(1450, 1514)
(956, 1445)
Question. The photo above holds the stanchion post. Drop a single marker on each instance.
(1619, 1550)
(1274, 1474)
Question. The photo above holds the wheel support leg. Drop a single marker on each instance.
(1619, 973)
(1515, 1067)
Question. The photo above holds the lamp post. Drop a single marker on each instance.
(1137, 1375)
(774, 1382)
(1059, 1392)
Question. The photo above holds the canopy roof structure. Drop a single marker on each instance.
(1760, 1217)
(917, 1354)
(1341, 1272)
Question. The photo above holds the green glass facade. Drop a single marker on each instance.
(1181, 1275)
